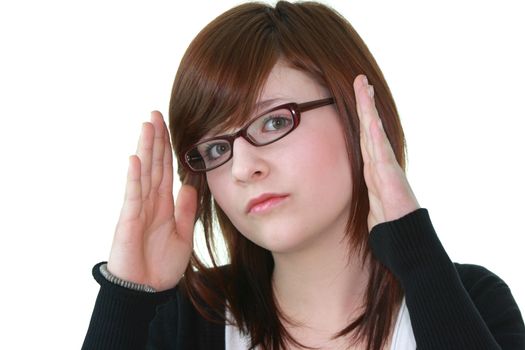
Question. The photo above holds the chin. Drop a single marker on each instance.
(279, 241)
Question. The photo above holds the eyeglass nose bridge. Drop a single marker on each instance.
(231, 139)
(241, 133)
(294, 108)
(245, 135)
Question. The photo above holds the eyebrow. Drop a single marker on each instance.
(261, 105)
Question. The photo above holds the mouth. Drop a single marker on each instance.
(265, 202)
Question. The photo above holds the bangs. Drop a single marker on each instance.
(221, 76)
(223, 72)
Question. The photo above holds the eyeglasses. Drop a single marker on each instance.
(266, 128)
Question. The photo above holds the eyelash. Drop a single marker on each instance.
(274, 117)
(209, 149)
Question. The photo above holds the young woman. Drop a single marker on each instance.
(289, 142)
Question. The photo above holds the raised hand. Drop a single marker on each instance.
(389, 192)
(153, 238)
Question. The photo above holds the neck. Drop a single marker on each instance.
(321, 288)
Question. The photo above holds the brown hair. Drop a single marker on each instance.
(217, 85)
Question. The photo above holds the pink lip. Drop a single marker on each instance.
(264, 202)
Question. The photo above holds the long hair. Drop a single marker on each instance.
(216, 87)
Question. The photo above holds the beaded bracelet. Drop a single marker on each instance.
(126, 284)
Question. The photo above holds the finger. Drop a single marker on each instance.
(158, 150)
(364, 139)
(382, 149)
(377, 145)
(185, 211)
(166, 185)
(362, 95)
(144, 151)
(364, 143)
(133, 196)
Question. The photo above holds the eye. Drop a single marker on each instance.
(216, 150)
(277, 122)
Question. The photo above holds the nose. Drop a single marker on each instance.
(247, 163)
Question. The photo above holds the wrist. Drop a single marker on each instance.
(123, 283)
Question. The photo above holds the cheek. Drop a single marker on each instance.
(324, 167)
(312, 164)
(322, 155)
(222, 190)
(214, 182)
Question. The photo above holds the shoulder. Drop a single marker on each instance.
(487, 290)
(493, 299)
(479, 281)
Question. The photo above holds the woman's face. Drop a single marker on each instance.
(306, 175)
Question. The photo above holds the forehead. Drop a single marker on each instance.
(284, 84)
(288, 84)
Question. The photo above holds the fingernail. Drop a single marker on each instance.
(365, 81)
(371, 91)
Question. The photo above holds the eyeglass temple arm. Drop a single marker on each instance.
(314, 104)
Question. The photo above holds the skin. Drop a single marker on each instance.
(389, 192)
(309, 165)
(153, 237)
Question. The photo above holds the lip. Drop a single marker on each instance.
(264, 202)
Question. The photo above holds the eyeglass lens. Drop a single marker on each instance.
(263, 130)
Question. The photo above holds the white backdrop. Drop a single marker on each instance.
(77, 79)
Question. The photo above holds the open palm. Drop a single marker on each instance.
(154, 237)
(389, 192)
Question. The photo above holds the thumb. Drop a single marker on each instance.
(185, 212)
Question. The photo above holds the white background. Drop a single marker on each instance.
(77, 79)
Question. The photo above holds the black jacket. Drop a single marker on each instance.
(452, 306)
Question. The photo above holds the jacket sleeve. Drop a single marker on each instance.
(121, 316)
(445, 313)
